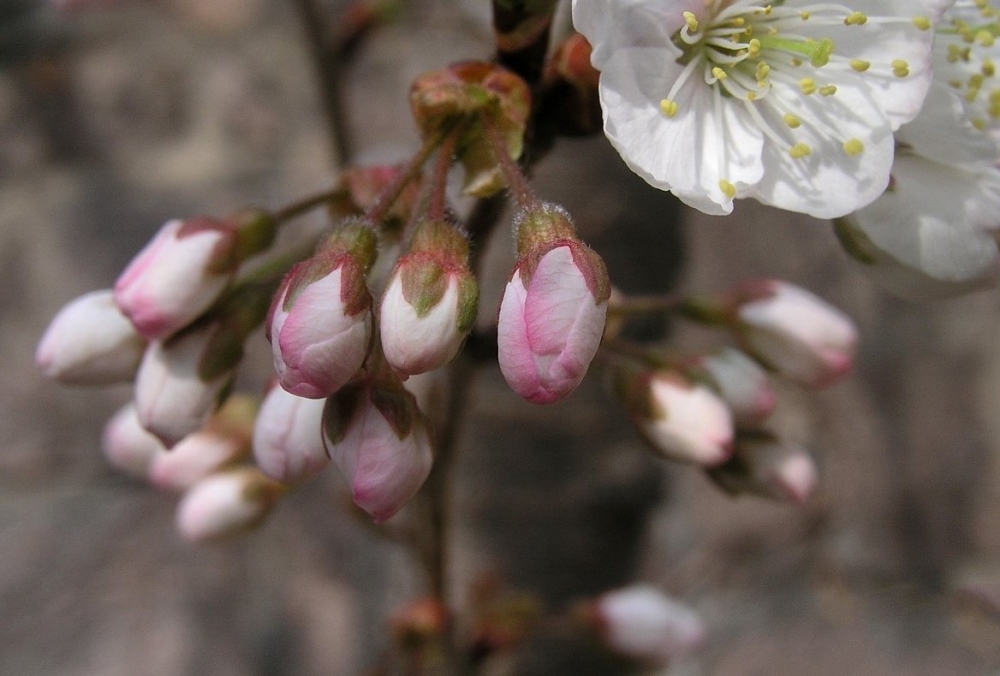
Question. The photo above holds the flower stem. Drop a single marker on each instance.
(640, 305)
(514, 177)
(439, 178)
(412, 169)
(305, 205)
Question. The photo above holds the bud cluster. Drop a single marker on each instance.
(713, 409)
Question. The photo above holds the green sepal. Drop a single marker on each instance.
(424, 283)
(340, 409)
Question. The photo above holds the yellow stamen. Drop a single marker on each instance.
(792, 121)
(669, 107)
(854, 147)
(859, 65)
(856, 19)
(799, 150)
(900, 68)
(727, 188)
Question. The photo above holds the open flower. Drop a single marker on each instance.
(793, 103)
(932, 234)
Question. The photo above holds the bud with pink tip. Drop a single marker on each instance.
(430, 302)
(794, 332)
(764, 466)
(185, 269)
(378, 439)
(742, 384)
(288, 437)
(226, 504)
(183, 379)
(320, 324)
(682, 419)
(127, 445)
(553, 310)
(90, 342)
(644, 624)
(223, 441)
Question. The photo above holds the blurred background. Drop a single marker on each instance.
(115, 119)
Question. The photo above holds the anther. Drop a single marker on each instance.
(669, 107)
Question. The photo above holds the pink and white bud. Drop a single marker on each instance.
(742, 384)
(127, 445)
(171, 395)
(430, 302)
(320, 324)
(90, 342)
(688, 421)
(288, 437)
(195, 457)
(644, 624)
(551, 322)
(794, 332)
(682, 420)
(379, 442)
(226, 504)
(764, 466)
(177, 276)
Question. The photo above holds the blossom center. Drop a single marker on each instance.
(967, 39)
(765, 56)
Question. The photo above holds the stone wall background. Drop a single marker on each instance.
(113, 121)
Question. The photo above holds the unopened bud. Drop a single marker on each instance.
(683, 420)
(764, 466)
(379, 442)
(226, 504)
(553, 310)
(177, 276)
(320, 324)
(127, 445)
(90, 342)
(642, 623)
(794, 332)
(288, 437)
(741, 383)
(430, 302)
(172, 395)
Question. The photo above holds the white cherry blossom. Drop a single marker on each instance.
(791, 103)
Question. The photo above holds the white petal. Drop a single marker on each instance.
(710, 139)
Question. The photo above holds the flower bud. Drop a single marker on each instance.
(320, 322)
(90, 342)
(186, 267)
(226, 504)
(764, 466)
(172, 394)
(682, 420)
(642, 623)
(127, 445)
(225, 440)
(794, 332)
(553, 310)
(430, 302)
(378, 440)
(288, 437)
(742, 384)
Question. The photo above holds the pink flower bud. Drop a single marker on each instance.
(742, 384)
(177, 276)
(644, 624)
(682, 420)
(320, 324)
(90, 342)
(195, 457)
(430, 303)
(172, 395)
(764, 466)
(379, 442)
(127, 445)
(226, 504)
(551, 321)
(288, 437)
(794, 332)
